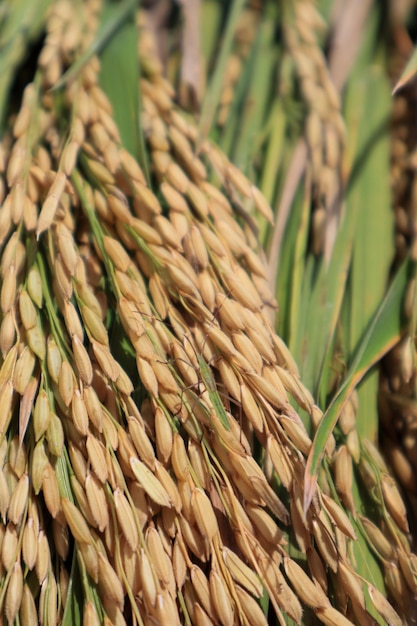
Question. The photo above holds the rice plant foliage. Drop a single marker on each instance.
(165, 457)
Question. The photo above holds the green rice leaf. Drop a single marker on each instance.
(213, 92)
(382, 334)
(73, 613)
(119, 78)
(369, 196)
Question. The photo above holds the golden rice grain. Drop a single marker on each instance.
(123, 382)
(14, 254)
(61, 537)
(202, 589)
(161, 560)
(194, 540)
(53, 358)
(50, 490)
(396, 585)
(221, 599)
(147, 577)
(39, 462)
(352, 585)
(8, 289)
(241, 573)
(141, 442)
(97, 501)
(43, 557)
(14, 593)
(297, 434)
(264, 524)
(200, 616)
(394, 502)
(325, 544)
(7, 332)
(166, 381)
(41, 414)
(163, 435)
(79, 413)
(28, 613)
(344, 476)
(63, 279)
(339, 517)
(97, 457)
(261, 204)
(4, 494)
(90, 616)
(126, 519)
(9, 547)
(16, 162)
(179, 458)
(179, 563)
(94, 407)
(378, 539)
(130, 165)
(407, 569)
(253, 612)
(144, 196)
(94, 325)
(5, 219)
(82, 361)
(76, 522)
(66, 247)
(27, 310)
(147, 376)
(36, 342)
(165, 479)
(109, 582)
(204, 514)
(55, 435)
(317, 568)
(18, 500)
(49, 207)
(66, 383)
(331, 617)
(90, 558)
(105, 359)
(69, 157)
(150, 483)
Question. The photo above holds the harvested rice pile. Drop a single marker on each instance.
(152, 453)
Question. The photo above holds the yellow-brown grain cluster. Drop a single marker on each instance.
(398, 389)
(139, 373)
(324, 125)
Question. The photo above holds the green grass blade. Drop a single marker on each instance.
(369, 195)
(272, 159)
(292, 269)
(246, 117)
(383, 333)
(73, 612)
(213, 92)
(320, 313)
(211, 19)
(119, 78)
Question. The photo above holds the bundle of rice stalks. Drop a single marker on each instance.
(152, 450)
